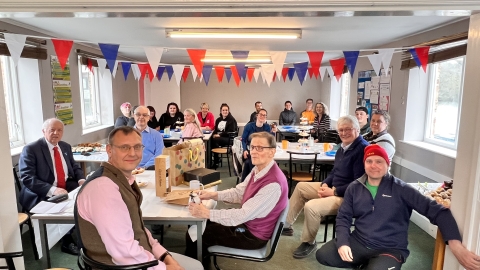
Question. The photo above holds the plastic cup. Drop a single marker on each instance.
(326, 147)
(284, 144)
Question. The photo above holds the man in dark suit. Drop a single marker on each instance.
(47, 169)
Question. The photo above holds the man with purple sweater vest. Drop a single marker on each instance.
(321, 199)
(262, 196)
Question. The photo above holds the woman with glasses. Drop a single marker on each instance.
(192, 126)
(171, 117)
(224, 126)
(322, 121)
(379, 132)
(206, 118)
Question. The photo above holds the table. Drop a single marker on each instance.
(154, 210)
(282, 131)
(282, 155)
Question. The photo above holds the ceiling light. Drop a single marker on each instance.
(248, 33)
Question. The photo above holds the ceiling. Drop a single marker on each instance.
(330, 34)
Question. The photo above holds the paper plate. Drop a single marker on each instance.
(166, 136)
(331, 153)
(142, 184)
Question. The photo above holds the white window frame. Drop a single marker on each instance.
(345, 93)
(432, 70)
(97, 107)
(11, 93)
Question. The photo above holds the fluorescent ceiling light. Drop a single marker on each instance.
(248, 33)
(231, 60)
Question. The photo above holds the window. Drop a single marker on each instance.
(90, 97)
(339, 96)
(9, 83)
(444, 99)
(345, 88)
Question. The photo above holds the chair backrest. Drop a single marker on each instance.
(330, 136)
(17, 179)
(278, 231)
(237, 166)
(89, 263)
(302, 156)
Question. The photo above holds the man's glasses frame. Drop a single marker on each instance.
(127, 148)
(257, 148)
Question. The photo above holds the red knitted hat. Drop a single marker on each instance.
(375, 150)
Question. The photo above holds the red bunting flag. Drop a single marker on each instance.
(235, 75)
(275, 75)
(62, 48)
(220, 70)
(90, 65)
(186, 70)
(310, 72)
(284, 73)
(250, 72)
(315, 62)
(143, 70)
(338, 66)
(197, 56)
(422, 53)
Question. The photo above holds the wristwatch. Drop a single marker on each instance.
(335, 191)
(164, 255)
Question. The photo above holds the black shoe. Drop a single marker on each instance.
(287, 231)
(304, 250)
(70, 249)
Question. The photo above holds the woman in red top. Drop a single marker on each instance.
(206, 118)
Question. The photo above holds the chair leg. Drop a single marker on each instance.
(10, 264)
(228, 163)
(326, 229)
(215, 263)
(32, 238)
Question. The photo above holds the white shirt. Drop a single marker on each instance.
(64, 164)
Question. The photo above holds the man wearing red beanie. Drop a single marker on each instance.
(381, 205)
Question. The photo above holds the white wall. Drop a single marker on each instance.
(159, 93)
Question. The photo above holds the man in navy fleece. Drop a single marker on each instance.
(381, 205)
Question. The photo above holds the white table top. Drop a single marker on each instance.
(175, 136)
(282, 155)
(295, 129)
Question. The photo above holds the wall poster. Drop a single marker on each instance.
(62, 91)
(374, 91)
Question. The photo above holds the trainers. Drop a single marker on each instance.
(287, 231)
(304, 250)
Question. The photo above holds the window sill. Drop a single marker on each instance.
(16, 151)
(434, 148)
(97, 128)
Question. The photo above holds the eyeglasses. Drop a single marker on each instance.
(126, 147)
(140, 114)
(345, 130)
(262, 114)
(257, 148)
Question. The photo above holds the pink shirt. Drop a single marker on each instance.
(191, 130)
(101, 204)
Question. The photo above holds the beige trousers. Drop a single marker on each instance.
(305, 196)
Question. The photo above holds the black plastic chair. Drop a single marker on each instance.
(330, 136)
(8, 256)
(237, 167)
(257, 255)
(89, 264)
(303, 157)
(226, 152)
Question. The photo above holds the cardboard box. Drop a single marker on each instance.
(162, 169)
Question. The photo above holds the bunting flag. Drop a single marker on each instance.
(62, 49)
(310, 72)
(197, 56)
(235, 74)
(284, 73)
(194, 72)
(110, 52)
(337, 65)
(136, 71)
(228, 73)
(244, 75)
(90, 65)
(126, 66)
(186, 70)
(274, 76)
(322, 72)
(219, 70)
(15, 44)
(178, 70)
(291, 73)
(376, 61)
(160, 71)
(256, 73)
(421, 56)
(301, 70)
(240, 56)
(330, 71)
(278, 59)
(115, 68)
(144, 69)
(387, 57)
(169, 69)
(268, 71)
(206, 72)
(102, 63)
(154, 55)
(351, 58)
(250, 72)
(315, 62)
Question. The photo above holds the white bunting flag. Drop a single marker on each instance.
(102, 63)
(15, 44)
(267, 72)
(178, 71)
(256, 73)
(330, 72)
(154, 55)
(278, 59)
(194, 72)
(387, 57)
(322, 72)
(376, 61)
(136, 71)
(115, 69)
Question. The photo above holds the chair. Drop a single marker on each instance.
(24, 217)
(89, 264)
(227, 150)
(303, 157)
(330, 136)
(256, 255)
(8, 256)
(329, 219)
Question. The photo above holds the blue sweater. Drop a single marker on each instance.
(382, 223)
(348, 166)
(249, 129)
(153, 142)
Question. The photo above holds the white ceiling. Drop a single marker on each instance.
(330, 34)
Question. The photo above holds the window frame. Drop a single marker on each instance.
(345, 83)
(14, 107)
(432, 72)
(96, 84)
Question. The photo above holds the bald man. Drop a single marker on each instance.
(151, 139)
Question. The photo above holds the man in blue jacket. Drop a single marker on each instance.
(321, 199)
(381, 205)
